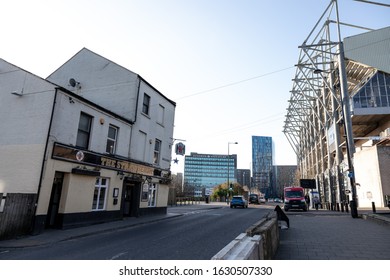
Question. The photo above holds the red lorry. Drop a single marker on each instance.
(294, 198)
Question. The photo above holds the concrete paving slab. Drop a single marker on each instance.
(329, 235)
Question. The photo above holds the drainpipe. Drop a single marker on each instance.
(136, 105)
(34, 225)
(136, 112)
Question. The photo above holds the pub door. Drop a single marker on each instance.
(52, 218)
(131, 198)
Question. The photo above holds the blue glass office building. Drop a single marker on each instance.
(262, 162)
(205, 171)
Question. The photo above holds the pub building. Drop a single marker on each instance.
(89, 187)
(83, 150)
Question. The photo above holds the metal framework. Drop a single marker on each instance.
(318, 123)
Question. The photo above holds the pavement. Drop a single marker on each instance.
(331, 235)
(313, 235)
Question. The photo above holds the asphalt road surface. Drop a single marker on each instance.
(196, 235)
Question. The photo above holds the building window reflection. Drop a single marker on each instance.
(375, 93)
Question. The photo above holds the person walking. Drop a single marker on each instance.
(307, 198)
(316, 201)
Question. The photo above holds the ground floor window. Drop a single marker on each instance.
(100, 194)
(152, 196)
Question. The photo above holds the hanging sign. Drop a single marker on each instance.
(180, 149)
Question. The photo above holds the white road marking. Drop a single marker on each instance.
(117, 256)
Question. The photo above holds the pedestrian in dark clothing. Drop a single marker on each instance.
(307, 198)
(316, 202)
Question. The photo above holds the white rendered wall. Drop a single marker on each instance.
(368, 177)
(118, 89)
(101, 81)
(66, 121)
(24, 128)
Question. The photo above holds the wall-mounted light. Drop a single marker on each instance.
(17, 93)
(121, 174)
(22, 93)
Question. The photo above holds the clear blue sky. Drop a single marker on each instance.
(227, 63)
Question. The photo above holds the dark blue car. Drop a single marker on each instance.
(240, 201)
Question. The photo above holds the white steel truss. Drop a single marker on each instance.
(318, 122)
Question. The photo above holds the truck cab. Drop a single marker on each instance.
(294, 198)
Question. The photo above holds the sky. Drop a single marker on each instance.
(228, 64)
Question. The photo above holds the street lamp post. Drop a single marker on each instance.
(228, 160)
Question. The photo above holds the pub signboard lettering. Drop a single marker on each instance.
(68, 153)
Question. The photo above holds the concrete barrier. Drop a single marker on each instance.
(243, 247)
(259, 242)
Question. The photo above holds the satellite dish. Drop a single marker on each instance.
(72, 82)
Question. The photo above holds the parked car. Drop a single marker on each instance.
(278, 200)
(254, 198)
(262, 199)
(238, 200)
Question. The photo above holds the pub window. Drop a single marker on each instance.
(100, 194)
(157, 152)
(111, 139)
(146, 104)
(84, 131)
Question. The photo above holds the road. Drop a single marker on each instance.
(196, 235)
